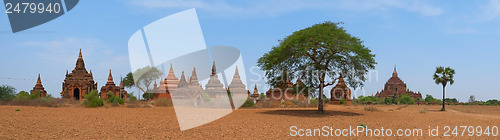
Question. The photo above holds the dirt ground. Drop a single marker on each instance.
(161, 122)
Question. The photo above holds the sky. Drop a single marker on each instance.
(415, 35)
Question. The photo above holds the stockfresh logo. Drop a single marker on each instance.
(25, 14)
(195, 77)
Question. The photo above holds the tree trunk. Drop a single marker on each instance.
(320, 105)
(443, 109)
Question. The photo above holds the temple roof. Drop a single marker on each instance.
(110, 79)
(214, 71)
(182, 81)
(80, 64)
(194, 78)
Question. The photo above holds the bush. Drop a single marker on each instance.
(368, 100)
(342, 102)
(371, 108)
(92, 99)
(248, 103)
(405, 99)
(206, 98)
(114, 99)
(314, 101)
(131, 97)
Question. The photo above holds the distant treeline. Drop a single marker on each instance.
(428, 100)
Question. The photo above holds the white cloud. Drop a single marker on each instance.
(276, 7)
(491, 10)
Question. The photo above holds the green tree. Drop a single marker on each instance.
(320, 54)
(144, 77)
(7, 92)
(23, 95)
(128, 81)
(443, 76)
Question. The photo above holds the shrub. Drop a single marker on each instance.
(405, 99)
(131, 97)
(248, 103)
(371, 108)
(388, 100)
(362, 125)
(314, 101)
(206, 98)
(262, 96)
(342, 102)
(368, 100)
(92, 99)
(18, 109)
(114, 99)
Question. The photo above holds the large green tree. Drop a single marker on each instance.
(144, 77)
(320, 54)
(7, 92)
(444, 76)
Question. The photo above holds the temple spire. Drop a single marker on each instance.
(39, 81)
(121, 82)
(237, 72)
(110, 77)
(182, 81)
(395, 73)
(80, 54)
(80, 65)
(214, 71)
(194, 77)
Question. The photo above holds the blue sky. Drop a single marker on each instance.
(415, 35)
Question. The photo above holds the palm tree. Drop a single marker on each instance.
(443, 76)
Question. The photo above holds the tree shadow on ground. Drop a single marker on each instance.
(310, 113)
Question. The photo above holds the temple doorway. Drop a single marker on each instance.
(76, 94)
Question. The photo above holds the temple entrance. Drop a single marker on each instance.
(76, 94)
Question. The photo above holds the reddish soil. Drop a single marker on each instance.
(161, 122)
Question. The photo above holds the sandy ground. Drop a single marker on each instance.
(161, 122)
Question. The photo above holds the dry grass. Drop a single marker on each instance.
(371, 108)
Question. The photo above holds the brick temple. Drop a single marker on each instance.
(285, 92)
(340, 92)
(39, 88)
(396, 87)
(79, 82)
(110, 87)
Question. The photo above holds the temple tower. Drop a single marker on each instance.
(214, 87)
(79, 82)
(237, 86)
(39, 88)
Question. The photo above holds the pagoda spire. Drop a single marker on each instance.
(395, 73)
(182, 81)
(255, 89)
(80, 54)
(194, 77)
(80, 64)
(214, 71)
(121, 82)
(110, 79)
(39, 81)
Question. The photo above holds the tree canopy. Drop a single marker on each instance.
(320, 54)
